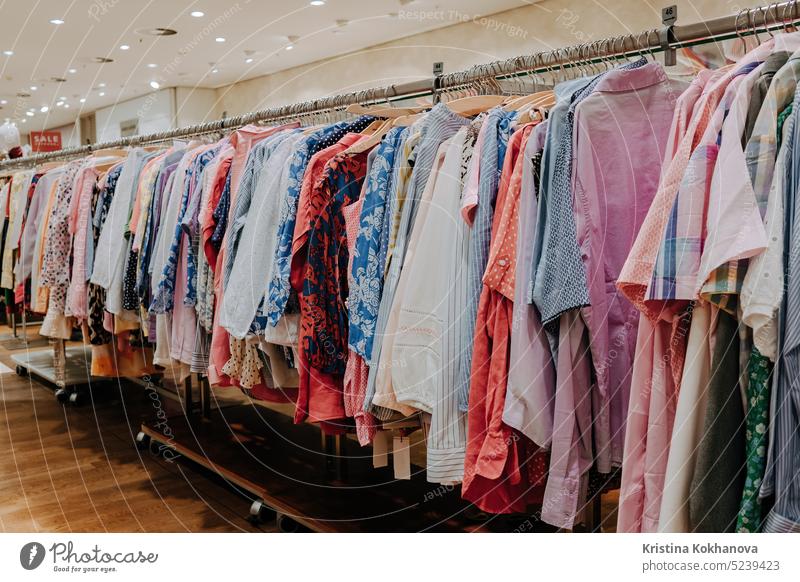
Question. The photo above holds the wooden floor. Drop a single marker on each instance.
(76, 469)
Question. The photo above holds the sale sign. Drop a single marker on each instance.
(45, 141)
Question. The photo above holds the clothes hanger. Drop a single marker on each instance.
(48, 166)
(382, 110)
(118, 152)
(407, 120)
(374, 139)
(471, 106)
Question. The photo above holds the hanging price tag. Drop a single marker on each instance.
(401, 451)
(380, 449)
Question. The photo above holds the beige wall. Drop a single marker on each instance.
(542, 26)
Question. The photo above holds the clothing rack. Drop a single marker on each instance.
(749, 21)
(200, 446)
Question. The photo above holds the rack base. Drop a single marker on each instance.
(278, 466)
(40, 364)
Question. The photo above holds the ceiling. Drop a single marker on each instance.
(260, 37)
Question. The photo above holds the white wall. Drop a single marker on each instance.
(538, 27)
(541, 26)
(158, 111)
(70, 136)
(195, 105)
(154, 111)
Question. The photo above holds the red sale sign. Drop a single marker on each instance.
(45, 141)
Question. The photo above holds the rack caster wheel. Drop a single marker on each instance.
(288, 525)
(62, 395)
(260, 513)
(163, 451)
(75, 399)
(142, 441)
(21, 371)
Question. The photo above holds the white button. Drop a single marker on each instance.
(502, 262)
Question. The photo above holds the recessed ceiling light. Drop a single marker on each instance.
(72, 71)
(220, 39)
(317, 2)
(66, 105)
(56, 21)
(29, 113)
(8, 53)
(24, 121)
(248, 61)
(44, 109)
(215, 70)
(289, 47)
(124, 47)
(82, 99)
(3, 101)
(34, 87)
(102, 93)
(101, 84)
(151, 65)
(155, 84)
(197, 14)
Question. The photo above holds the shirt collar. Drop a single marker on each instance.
(632, 79)
(774, 62)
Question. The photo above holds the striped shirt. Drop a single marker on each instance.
(437, 126)
(782, 478)
(493, 138)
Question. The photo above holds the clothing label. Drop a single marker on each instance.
(401, 452)
(380, 449)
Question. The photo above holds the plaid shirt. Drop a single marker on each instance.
(635, 280)
(679, 257)
(724, 283)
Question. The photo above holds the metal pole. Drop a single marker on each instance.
(748, 21)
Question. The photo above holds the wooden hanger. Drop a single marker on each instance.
(48, 166)
(373, 127)
(406, 120)
(118, 152)
(105, 166)
(374, 139)
(382, 110)
(540, 99)
(470, 106)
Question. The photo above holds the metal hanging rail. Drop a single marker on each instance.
(747, 21)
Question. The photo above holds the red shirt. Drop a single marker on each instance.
(503, 471)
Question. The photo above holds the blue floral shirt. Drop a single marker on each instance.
(368, 253)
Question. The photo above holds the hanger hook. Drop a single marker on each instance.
(736, 22)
